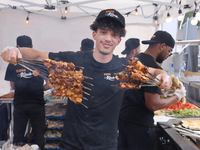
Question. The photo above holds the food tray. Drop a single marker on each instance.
(6, 99)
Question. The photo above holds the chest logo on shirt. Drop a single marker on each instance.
(25, 75)
(108, 76)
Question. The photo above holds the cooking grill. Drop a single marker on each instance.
(168, 138)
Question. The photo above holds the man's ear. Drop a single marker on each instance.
(134, 51)
(94, 34)
(120, 39)
(162, 46)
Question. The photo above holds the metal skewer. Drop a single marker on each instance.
(33, 71)
(86, 88)
(88, 83)
(29, 60)
(40, 70)
(85, 98)
(155, 77)
(86, 93)
(88, 77)
(84, 105)
(79, 67)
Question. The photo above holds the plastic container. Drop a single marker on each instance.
(171, 68)
(182, 68)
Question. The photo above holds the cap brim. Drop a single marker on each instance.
(125, 51)
(149, 42)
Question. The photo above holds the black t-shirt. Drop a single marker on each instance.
(133, 106)
(94, 128)
(28, 88)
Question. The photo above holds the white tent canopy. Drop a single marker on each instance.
(51, 33)
(148, 10)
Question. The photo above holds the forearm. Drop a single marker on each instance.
(156, 72)
(154, 102)
(12, 85)
(31, 53)
(165, 102)
(47, 86)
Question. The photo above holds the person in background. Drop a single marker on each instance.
(95, 127)
(136, 123)
(5, 110)
(87, 45)
(28, 99)
(132, 47)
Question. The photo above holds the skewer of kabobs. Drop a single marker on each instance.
(137, 75)
(66, 80)
(62, 75)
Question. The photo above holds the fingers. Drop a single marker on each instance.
(166, 81)
(10, 54)
(180, 93)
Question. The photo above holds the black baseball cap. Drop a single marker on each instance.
(24, 41)
(161, 37)
(87, 44)
(131, 44)
(112, 13)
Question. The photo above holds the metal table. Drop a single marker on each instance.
(10, 101)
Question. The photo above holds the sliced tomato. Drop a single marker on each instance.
(178, 105)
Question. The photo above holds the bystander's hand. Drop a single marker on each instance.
(10, 54)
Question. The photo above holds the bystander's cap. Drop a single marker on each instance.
(24, 41)
(161, 37)
(131, 44)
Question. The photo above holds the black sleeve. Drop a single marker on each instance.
(10, 73)
(68, 56)
(152, 89)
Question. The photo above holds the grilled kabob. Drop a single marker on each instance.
(135, 63)
(124, 85)
(135, 75)
(65, 79)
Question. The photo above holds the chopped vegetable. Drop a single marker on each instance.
(185, 113)
(178, 106)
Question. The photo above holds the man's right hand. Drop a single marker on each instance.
(10, 54)
(180, 92)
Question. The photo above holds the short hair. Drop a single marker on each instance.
(109, 24)
(87, 44)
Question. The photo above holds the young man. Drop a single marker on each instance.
(28, 99)
(136, 124)
(132, 47)
(87, 45)
(94, 128)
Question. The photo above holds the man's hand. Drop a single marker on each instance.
(10, 54)
(166, 81)
(180, 92)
